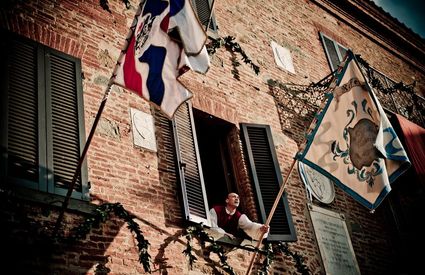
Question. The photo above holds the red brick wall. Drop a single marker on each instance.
(145, 182)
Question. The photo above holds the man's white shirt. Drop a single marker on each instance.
(251, 228)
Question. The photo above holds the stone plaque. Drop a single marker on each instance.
(334, 241)
(142, 125)
(282, 57)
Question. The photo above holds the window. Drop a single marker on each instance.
(42, 117)
(207, 171)
(334, 51)
(203, 9)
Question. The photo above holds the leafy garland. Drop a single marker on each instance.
(199, 232)
(281, 247)
(231, 45)
(101, 214)
(270, 252)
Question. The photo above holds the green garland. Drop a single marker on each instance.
(271, 249)
(199, 232)
(231, 45)
(101, 214)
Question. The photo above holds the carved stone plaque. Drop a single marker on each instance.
(334, 241)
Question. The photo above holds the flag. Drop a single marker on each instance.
(352, 141)
(154, 59)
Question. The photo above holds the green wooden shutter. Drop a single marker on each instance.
(203, 9)
(64, 108)
(22, 129)
(189, 166)
(267, 179)
(41, 117)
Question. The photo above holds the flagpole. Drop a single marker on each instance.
(95, 122)
(269, 218)
(80, 161)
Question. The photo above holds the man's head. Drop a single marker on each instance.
(232, 201)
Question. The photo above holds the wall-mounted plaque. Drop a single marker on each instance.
(282, 57)
(320, 186)
(334, 241)
(142, 125)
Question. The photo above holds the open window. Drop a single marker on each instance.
(207, 171)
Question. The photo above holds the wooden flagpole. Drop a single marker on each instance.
(269, 218)
(95, 122)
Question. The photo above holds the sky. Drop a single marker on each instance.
(409, 12)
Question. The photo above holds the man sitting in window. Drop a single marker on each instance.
(228, 220)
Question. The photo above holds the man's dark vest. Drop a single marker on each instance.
(228, 223)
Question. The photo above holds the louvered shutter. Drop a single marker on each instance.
(267, 179)
(64, 132)
(203, 9)
(22, 113)
(41, 117)
(189, 166)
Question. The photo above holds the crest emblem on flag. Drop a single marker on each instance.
(353, 142)
(153, 60)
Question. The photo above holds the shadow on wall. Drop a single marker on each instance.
(26, 233)
(26, 237)
(28, 247)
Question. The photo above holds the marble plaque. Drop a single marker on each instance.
(334, 241)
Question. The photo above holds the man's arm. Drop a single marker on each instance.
(214, 225)
(253, 229)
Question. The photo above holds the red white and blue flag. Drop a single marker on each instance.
(153, 60)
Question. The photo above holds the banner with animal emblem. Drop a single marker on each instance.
(352, 141)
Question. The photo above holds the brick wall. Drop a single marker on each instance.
(145, 182)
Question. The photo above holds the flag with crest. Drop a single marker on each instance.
(165, 40)
(352, 141)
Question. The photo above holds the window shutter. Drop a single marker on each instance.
(203, 9)
(64, 96)
(41, 116)
(267, 180)
(189, 166)
(22, 113)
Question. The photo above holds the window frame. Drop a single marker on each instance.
(336, 47)
(286, 231)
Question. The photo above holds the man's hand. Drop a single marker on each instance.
(229, 235)
(264, 229)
